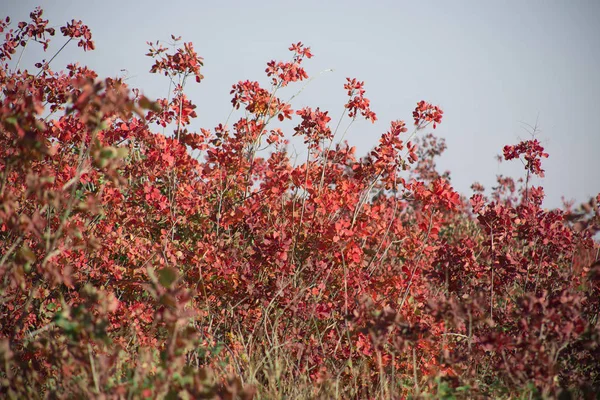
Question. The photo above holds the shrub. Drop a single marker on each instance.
(206, 264)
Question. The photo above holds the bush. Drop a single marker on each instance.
(208, 265)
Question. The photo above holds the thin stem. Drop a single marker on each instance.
(329, 148)
(10, 250)
(53, 57)
(414, 270)
(492, 277)
(415, 374)
(93, 367)
(21, 55)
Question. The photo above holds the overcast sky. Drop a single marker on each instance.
(492, 67)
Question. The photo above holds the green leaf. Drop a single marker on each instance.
(166, 276)
(122, 152)
(148, 104)
(25, 255)
(108, 152)
(70, 328)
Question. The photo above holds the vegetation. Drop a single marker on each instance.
(136, 263)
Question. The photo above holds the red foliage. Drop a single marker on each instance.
(533, 152)
(132, 266)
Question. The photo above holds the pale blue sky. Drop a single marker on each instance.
(490, 65)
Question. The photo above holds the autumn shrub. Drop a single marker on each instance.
(141, 258)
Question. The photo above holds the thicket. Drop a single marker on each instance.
(136, 263)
